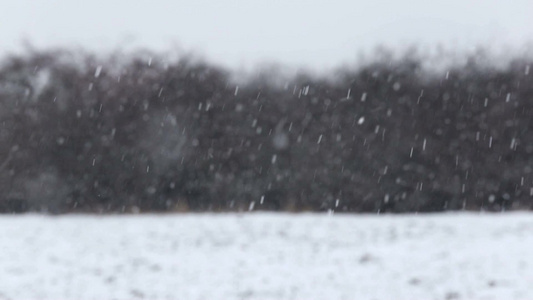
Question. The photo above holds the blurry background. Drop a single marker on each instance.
(389, 106)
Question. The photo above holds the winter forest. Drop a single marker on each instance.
(82, 133)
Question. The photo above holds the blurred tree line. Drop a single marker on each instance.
(127, 134)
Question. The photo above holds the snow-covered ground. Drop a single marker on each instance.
(267, 256)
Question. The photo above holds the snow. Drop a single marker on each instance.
(267, 256)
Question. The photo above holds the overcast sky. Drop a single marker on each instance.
(315, 33)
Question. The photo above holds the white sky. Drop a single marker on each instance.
(238, 33)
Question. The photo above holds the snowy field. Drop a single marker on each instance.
(267, 256)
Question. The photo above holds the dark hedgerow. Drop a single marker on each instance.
(86, 134)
